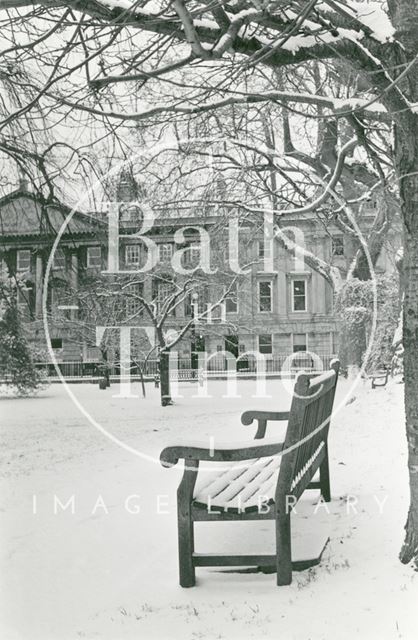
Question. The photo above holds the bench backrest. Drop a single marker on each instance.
(305, 444)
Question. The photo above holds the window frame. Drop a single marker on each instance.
(59, 253)
(128, 261)
(264, 249)
(99, 257)
(270, 345)
(18, 254)
(137, 306)
(294, 297)
(57, 348)
(162, 247)
(306, 342)
(259, 296)
(22, 299)
(192, 254)
(232, 297)
(170, 291)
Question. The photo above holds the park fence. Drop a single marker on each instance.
(188, 368)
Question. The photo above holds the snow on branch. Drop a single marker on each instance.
(328, 191)
(369, 16)
(330, 273)
(339, 107)
(189, 29)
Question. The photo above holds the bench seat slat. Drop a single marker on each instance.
(238, 488)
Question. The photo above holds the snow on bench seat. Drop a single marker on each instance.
(244, 487)
(241, 487)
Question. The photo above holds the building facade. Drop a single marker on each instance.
(277, 306)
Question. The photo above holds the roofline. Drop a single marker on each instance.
(18, 193)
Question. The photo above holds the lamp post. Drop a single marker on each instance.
(195, 311)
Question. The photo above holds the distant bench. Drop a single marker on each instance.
(379, 378)
(259, 480)
(185, 374)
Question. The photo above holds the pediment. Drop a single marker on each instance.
(23, 215)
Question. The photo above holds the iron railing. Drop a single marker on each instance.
(276, 364)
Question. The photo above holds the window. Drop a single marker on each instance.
(338, 246)
(192, 255)
(164, 291)
(133, 305)
(299, 342)
(22, 295)
(23, 260)
(56, 343)
(131, 213)
(165, 252)
(231, 344)
(265, 343)
(299, 295)
(231, 299)
(26, 297)
(188, 306)
(264, 296)
(94, 256)
(59, 259)
(133, 255)
(197, 302)
(264, 248)
(59, 293)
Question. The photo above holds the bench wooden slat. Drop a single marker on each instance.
(220, 560)
(258, 561)
(239, 488)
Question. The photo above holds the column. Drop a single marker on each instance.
(74, 282)
(39, 285)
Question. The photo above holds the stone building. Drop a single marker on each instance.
(285, 308)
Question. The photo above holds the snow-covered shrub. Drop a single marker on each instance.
(355, 312)
(17, 369)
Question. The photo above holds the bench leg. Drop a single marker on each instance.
(283, 550)
(186, 546)
(324, 478)
(185, 524)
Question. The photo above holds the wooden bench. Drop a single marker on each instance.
(187, 375)
(260, 479)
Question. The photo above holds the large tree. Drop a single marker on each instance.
(127, 62)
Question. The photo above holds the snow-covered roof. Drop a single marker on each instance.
(21, 214)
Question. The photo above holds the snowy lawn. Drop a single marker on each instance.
(105, 571)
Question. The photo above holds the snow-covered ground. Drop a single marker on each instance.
(107, 572)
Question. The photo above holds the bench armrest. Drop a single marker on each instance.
(263, 417)
(229, 452)
(248, 416)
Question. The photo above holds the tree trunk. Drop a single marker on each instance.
(165, 378)
(406, 154)
(141, 376)
(105, 367)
